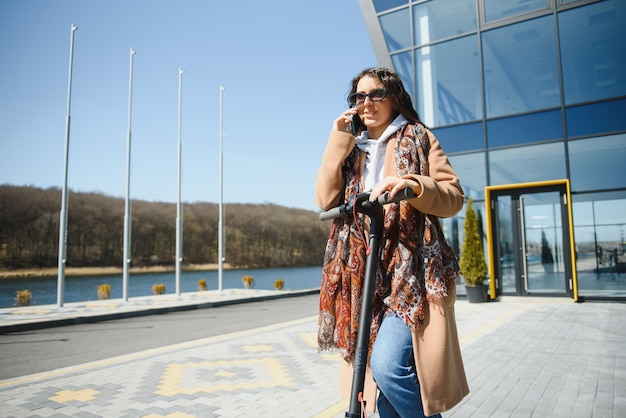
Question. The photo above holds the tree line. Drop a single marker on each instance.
(255, 235)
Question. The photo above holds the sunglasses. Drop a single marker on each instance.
(375, 95)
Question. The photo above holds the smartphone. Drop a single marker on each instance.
(356, 125)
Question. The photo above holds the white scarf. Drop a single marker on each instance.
(375, 149)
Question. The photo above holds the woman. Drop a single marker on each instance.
(414, 357)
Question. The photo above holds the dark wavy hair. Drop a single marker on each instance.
(395, 91)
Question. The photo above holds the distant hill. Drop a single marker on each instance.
(256, 235)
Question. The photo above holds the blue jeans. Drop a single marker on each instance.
(393, 369)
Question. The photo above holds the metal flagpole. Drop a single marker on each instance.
(63, 214)
(220, 256)
(127, 214)
(179, 215)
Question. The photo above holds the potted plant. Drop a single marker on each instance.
(248, 282)
(104, 291)
(23, 297)
(473, 267)
(158, 289)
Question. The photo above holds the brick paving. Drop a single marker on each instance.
(524, 357)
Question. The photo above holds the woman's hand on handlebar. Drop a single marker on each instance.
(393, 185)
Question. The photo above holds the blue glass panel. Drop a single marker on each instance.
(436, 20)
(527, 164)
(397, 29)
(499, 9)
(593, 51)
(461, 137)
(444, 95)
(520, 65)
(381, 5)
(597, 118)
(611, 212)
(451, 231)
(403, 65)
(523, 129)
(597, 163)
(599, 220)
(471, 171)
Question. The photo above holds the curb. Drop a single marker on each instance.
(82, 318)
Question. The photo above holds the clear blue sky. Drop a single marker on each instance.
(286, 67)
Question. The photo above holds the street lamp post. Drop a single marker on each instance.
(220, 256)
(179, 214)
(63, 214)
(127, 209)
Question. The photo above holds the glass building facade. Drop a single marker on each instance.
(528, 98)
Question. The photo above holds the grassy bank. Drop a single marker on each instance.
(101, 271)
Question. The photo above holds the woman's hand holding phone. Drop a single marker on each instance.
(345, 122)
(356, 124)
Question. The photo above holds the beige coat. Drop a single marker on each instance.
(435, 345)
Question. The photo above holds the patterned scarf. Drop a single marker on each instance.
(415, 264)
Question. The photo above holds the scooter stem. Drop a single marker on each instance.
(375, 213)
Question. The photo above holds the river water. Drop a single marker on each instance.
(85, 288)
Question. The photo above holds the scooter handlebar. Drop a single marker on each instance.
(383, 199)
(333, 213)
(406, 193)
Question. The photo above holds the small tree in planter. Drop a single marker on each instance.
(473, 267)
(23, 297)
(104, 291)
(158, 289)
(248, 281)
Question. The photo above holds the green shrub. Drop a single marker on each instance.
(158, 289)
(23, 297)
(473, 267)
(104, 291)
(248, 281)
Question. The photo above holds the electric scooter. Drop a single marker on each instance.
(374, 210)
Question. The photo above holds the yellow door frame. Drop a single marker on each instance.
(490, 232)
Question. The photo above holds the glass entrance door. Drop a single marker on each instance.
(541, 234)
(530, 228)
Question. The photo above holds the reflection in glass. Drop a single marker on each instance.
(459, 138)
(597, 163)
(610, 213)
(453, 230)
(397, 29)
(593, 51)
(403, 65)
(607, 118)
(543, 239)
(382, 5)
(443, 97)
(437, 20)
(499, 9)
(600, 229)
(471, 171)
(527, 164)
(505, 245)
(520, 67)
(514, 130)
